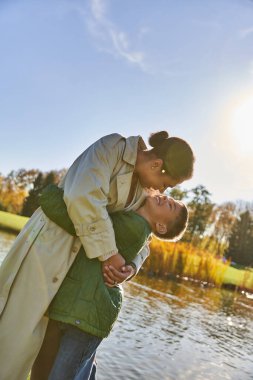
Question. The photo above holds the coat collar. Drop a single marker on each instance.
(131, 149)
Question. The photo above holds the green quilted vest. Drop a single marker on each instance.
(83, 299)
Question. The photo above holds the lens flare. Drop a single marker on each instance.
(242, 126)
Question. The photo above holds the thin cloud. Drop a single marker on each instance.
(110, 38)
(98, 9)
(121, 44)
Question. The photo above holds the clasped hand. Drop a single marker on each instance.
(115, 270)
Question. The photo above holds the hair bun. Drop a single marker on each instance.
(157, 138)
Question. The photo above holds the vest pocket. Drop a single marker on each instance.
(108, 304)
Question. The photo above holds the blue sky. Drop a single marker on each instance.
(72, 71)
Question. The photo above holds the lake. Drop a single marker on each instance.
(171, 330)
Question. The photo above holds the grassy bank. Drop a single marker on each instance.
(12, 222)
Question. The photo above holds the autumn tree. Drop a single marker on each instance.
(11, 195)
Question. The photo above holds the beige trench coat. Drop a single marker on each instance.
(97, 182)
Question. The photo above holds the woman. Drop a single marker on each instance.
(84, 307)
(109, 176)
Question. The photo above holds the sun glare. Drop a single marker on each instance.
(242, 126)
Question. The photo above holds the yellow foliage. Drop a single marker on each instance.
(12, 199)
(184, 260)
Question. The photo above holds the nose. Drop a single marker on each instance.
(164, 199)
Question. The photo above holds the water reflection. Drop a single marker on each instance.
(6, 240)
(177, 331)
(171, 330)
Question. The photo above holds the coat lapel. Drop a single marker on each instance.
(123, 187)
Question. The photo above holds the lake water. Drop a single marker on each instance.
(176, 331)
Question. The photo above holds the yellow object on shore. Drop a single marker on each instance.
(239, 277)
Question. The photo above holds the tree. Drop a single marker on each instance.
(200, 208)
(23, 178)
(2, 207)
(11, 195)
(222, 217)
(177, 193)
(31, 203)
(240, 248)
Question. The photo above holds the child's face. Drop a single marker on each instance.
(163, 209)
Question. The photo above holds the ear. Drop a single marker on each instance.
(157, 163)
(161, 228)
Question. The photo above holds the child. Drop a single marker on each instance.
(84, 306)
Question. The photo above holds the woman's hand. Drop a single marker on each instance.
(113, 276)
(117, 261)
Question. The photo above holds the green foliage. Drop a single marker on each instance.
(222, 218)
(240, 248)
(200, 208)
(177, 193)
(31, 203)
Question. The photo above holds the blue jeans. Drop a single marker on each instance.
(76, 356)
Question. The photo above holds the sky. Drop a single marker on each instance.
(72, 71)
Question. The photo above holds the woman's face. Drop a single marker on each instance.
(151, 176)
(163, 209)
